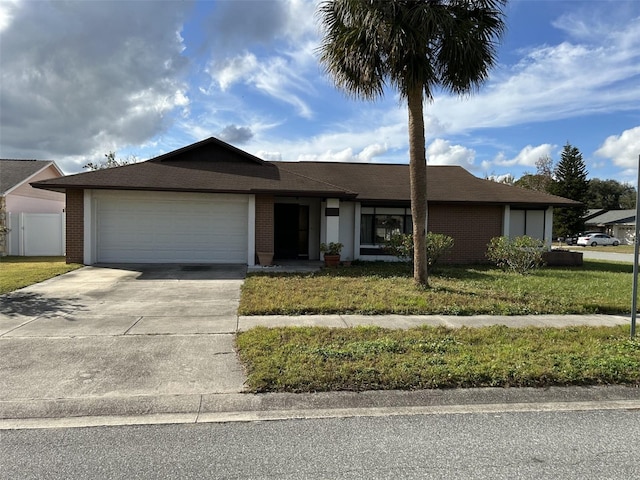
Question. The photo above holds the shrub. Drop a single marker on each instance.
(519, 254)
(438, 245)
(401, 245)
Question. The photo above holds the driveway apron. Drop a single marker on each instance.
(122, 330)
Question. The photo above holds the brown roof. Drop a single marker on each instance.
(214, 166)
(445, 184)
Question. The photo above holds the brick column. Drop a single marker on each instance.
(75, 226)
(264, 227)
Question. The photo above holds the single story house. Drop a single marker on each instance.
(34, 217)
(619, 223)
(211, 202)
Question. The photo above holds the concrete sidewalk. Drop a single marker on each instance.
(410, 321)
(168, 399)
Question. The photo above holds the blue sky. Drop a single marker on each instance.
(80, 79)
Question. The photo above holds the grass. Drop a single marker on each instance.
(371, 358)
(388, 288)
(18, 272)
(609, 248)
(601, 248)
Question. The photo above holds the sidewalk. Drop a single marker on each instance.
(209, 406)
(410, 321)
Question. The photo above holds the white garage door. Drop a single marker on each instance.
(159, 227)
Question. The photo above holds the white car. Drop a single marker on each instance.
(595, 239)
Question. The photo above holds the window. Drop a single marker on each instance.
(378, 224)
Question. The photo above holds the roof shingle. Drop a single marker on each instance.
(213, 166)
(14, 172)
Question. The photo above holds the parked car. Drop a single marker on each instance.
(595, 239)
(573, 239)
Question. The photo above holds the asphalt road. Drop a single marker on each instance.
(587, 253)
(535, 445)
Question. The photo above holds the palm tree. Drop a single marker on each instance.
(416, 46)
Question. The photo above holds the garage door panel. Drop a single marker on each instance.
(171, 227)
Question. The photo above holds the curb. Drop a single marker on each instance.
(244, 407)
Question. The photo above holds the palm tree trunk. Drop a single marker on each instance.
(418, 173)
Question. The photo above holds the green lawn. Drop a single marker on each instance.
(388, 288)
(18, 272)
(323, 359)
(371, 358)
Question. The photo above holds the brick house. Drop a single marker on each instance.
(211, 202)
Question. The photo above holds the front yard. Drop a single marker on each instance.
(322, 359)
(18, 272)
(387, 288)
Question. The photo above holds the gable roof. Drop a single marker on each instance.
(217, 167)
(14, 173)
(614, 217)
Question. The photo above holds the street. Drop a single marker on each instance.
(569, 445)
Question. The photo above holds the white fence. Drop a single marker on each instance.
(35, 234)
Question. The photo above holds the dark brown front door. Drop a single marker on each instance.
(291, 236)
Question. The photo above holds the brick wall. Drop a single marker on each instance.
(75, 226)
(472, 227)
(264, 223)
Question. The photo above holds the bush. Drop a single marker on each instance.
(438, 245)
(519, 254)
(401, 245)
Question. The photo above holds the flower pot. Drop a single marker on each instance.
(331, 260)
(265, 258)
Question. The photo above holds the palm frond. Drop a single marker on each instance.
(409, 43)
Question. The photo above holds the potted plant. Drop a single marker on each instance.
(331, 253)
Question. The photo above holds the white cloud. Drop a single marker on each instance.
(346, 155)
(82, 77)
(622, 149)
(232, 70)
(269, 156)
(356, 141)
(371, 151)
(553, 82)
(7, 8)
(441, 152)
(277, 77)
(240, 29)
(527, 157)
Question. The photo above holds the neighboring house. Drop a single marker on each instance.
(211, 202)
(34, 217)
(619, 223)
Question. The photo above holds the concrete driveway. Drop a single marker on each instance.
(121, 330)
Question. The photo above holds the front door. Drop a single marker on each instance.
(291, 236)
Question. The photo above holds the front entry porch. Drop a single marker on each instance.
(291, 231)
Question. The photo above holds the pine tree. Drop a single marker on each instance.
(570, 182)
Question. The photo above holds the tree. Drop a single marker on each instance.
(610, 194)
(542, 180)
(415, 46)
(111, 162)
(571, 182)
(628, 198)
